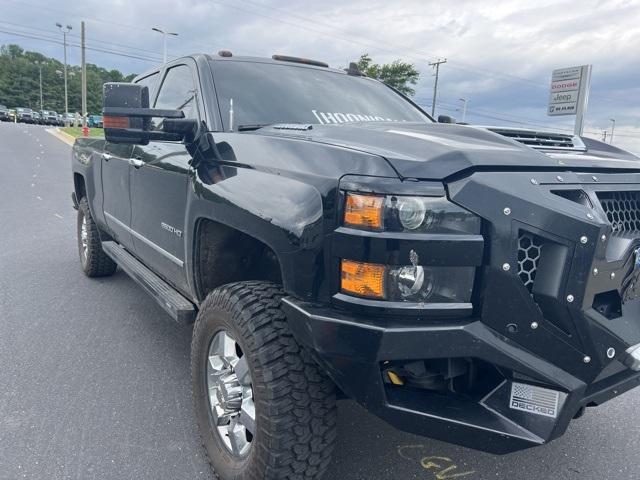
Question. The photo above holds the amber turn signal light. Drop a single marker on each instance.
(115, 122)
(363, 211)
(363, 279)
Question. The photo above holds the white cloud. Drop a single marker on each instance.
(500, 52)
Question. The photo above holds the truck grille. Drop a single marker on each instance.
(622, 210)
(529, 250)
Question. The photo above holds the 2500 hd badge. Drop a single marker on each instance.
(471, 284)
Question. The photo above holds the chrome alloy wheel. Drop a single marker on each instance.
(230, 394)
(84, 238)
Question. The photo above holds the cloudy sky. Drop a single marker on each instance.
(500, 53)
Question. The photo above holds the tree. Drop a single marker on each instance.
(398, 74)
(20, 86)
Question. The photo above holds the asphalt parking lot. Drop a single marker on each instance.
(94, 377)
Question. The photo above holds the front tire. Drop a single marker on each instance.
(93, 260)
(264, 409)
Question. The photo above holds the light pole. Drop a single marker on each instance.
(39, 64)
(64, 42)
(164, 41)
(71, 75)
(613, 126)
(464, 108)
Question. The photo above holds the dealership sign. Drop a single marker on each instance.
(569, 93)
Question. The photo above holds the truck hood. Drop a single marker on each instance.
(436, 151)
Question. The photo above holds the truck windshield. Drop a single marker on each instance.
(266, 93)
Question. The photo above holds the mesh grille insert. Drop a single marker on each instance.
(529, 251)
(622, 210)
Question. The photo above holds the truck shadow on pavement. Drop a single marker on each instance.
(368, 448)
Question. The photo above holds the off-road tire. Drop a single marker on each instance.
(96, 263)
(295, 401)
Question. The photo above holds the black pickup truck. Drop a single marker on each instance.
(475, 285)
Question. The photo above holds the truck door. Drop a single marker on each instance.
(116, 204)
(159, 182)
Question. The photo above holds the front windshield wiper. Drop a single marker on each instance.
(277, 126)
(256, 126)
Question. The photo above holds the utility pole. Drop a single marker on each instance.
(84, 78)
(436, 65)
(464, 108)
(39, 64)
(613, 126)
(164, 41)
(66, 91)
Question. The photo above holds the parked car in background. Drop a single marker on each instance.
(71, 119)
(94, 121)
(25, 115)
(37, 118)
(12, 114)
(49, 117)
(4, 114)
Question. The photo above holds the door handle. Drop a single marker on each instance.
(106, 156)
(136, 162)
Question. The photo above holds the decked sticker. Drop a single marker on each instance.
(536, 400)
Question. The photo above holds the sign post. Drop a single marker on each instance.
(569, 94)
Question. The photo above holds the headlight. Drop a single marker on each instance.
(397, 213)
(411, 212)
(407, 283)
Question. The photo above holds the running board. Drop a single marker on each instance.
(180, 309)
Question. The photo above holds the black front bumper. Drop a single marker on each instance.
(353, 352)
(551, 312)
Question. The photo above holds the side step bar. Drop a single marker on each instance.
(180, 309)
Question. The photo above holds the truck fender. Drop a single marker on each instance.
(282, 212)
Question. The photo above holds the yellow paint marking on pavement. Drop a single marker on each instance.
(442, 468)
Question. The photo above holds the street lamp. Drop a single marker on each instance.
(164, 41)
(613, 126)
(64, 31)
(464, 108)
(39, 65)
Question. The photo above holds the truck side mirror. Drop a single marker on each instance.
(446, 119)
(127, 117)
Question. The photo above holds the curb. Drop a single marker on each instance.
(60, 135)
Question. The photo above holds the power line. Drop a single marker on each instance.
(138, 28)
(42, 32)
(462, 65)
(398, 48)
(96, 49)
(454, 63)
